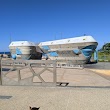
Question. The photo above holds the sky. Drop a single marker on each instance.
(45, 20)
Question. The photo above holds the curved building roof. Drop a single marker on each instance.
(81, 39)
(22, 43)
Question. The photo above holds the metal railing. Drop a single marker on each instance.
(20, 68)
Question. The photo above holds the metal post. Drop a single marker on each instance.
(0, 71)
(54, 72)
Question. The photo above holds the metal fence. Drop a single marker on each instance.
(27, 72)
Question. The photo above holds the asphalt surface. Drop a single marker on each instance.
(99, 65)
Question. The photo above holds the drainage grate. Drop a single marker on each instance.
(5, 97)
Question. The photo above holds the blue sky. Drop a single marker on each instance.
(43, 20)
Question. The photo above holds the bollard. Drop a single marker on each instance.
(0, 72)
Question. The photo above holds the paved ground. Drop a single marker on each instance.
(101, 68)
(99, 65)
(87, 90)
(55, 98)
(75, 77)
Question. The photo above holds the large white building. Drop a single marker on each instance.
(25, 50)
(77, 49)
